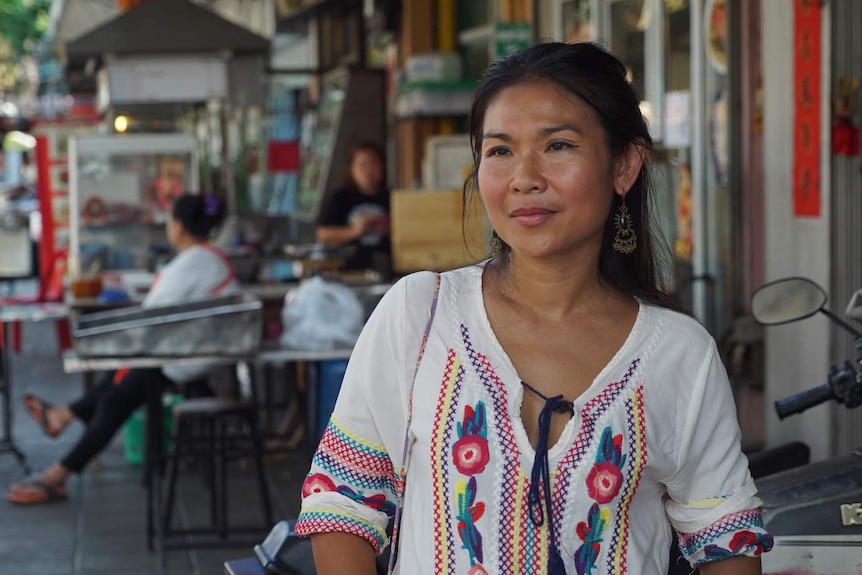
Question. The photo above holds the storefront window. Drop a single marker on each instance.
(678, 42)
(629, 21)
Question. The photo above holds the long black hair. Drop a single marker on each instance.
(199, 214)
(597, 78)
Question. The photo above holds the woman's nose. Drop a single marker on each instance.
(528, 175)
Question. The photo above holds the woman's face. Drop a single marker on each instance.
(174, 229)
(366, 169)
(546, 174)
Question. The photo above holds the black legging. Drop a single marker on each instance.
(108, 405)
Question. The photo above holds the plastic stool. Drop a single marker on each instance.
(205, 430)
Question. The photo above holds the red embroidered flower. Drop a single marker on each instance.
(317, 483)
(477, 569)
(603, 482)
(471, 454)
(745, 540)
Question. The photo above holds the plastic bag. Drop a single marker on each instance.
(321, 315)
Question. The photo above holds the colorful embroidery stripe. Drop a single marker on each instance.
(637, 460)
(691, 543)
(708, 503)
(355, 462)
(322, 520)
(529, 544)
(442, 435)
(523, 543)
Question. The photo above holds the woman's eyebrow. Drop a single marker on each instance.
(561, 128)
(497, 135)
(544, 132)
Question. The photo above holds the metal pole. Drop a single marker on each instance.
(698, 163)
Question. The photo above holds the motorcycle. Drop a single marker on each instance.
(813, 511)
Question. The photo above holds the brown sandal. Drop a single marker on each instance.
(38, 410)
(35, 492)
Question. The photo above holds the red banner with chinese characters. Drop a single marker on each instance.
(806, 76)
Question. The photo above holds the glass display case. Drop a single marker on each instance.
(351, 111)
(120, 192)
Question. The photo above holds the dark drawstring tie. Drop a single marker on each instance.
(541, 476)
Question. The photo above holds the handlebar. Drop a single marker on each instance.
(802, 401)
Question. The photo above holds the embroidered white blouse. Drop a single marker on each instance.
(653, 442)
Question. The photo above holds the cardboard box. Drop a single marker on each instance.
(428, 234)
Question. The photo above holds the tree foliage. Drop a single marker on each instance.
(23, 24)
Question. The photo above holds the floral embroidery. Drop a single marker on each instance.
(317, 483)
(603, 482)
(590, 532)
(603, 485)
(320, 483)
(728, 526)
(470, 454)
(742, 543)
(468, 513)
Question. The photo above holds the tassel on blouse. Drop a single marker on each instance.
(540, 477)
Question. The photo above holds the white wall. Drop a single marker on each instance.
(797, 355)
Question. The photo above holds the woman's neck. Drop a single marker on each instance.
(185, 243)
(553, 291)
(368, 191)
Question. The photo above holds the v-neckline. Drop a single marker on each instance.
(514, 406)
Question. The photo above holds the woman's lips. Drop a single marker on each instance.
(531, 217)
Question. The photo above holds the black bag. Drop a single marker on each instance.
(283, 553)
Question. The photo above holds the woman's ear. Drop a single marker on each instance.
(628, 166)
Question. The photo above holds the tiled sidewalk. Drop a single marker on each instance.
(100, 529)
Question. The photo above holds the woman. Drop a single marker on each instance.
(564, 414)
(198, 271)
(358, 214)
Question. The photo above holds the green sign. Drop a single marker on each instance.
(511, 37)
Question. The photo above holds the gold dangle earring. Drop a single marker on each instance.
(625, 239)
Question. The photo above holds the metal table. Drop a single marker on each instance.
(72, 363)
(9, 314)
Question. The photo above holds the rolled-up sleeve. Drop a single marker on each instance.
(712, 500)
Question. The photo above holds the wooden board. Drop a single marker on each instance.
(427, 231)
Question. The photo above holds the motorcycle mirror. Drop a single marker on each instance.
(786, 300)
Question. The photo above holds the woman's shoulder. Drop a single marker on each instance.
(426, 281)
(673, 330)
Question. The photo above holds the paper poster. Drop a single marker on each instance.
(677, 124)
(806, 79)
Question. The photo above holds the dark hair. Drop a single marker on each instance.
(598, 79)
(199, 214)
(372, 147)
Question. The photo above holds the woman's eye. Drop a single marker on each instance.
(497, 151)
(558, 146)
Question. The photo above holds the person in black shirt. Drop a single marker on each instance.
(358, 213)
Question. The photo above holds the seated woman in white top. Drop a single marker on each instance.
(198, 271)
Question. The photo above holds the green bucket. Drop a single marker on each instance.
(135, 428)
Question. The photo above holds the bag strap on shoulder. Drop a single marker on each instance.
(401, 479)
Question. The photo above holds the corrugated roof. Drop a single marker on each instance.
(166, 27)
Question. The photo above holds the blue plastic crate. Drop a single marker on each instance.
(328, 385)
